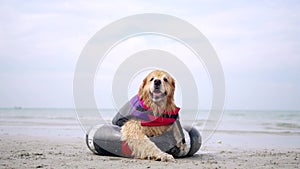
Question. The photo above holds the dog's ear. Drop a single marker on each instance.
(173, 86)
(173, 83)
(142, 87)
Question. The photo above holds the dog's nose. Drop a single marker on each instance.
(157, 82)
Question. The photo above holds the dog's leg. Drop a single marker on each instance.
(140, 145)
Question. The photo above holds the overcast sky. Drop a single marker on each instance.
(257, 42)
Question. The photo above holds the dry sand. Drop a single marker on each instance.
(19, 151)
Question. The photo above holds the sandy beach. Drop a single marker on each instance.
(62, 152)
(30, 139)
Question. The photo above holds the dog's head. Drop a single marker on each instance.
(158, 86)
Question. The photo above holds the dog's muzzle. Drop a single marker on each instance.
(157, 94)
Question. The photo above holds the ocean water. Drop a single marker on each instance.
(259, 129)
(40, 122)
(280, 122)
(235, 128)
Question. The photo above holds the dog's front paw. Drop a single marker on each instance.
(164, 157)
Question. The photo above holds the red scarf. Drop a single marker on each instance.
(167, 118)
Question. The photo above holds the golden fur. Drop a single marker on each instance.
(135, 135)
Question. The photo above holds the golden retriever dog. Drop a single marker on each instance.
(157, 92)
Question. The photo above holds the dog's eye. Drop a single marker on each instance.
(165, 79)
(151, 79)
